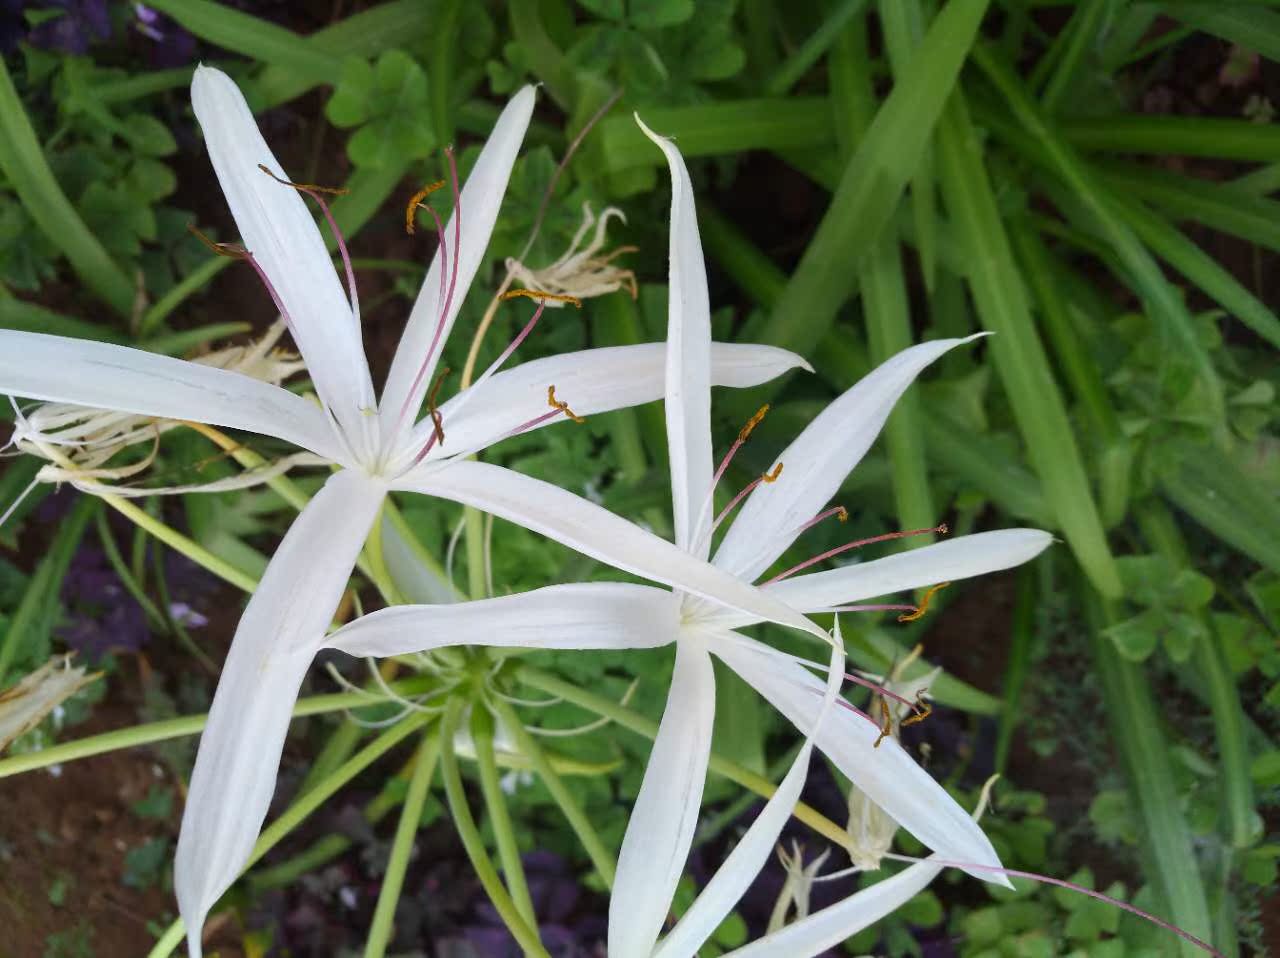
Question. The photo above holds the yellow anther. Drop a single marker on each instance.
(923, 607)
(562, 406)
(415, 201)
(437, 421)
(229, 250)
(842, 513)
(541, 295)
(922, 710)
(773, 474)
(754, 421)
(887, 728)
(312, 187)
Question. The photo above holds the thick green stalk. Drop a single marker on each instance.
(23, 163)
(499, 817)
(382, 926)
(300, 810)
(601, 857)
(1019, 665)
(152, 732)
(1243, 825)
(637, 723)
(472, 841)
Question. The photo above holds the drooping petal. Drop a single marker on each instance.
(594, 531)
(739, 870)
(817, 462)
(947, 561)
(279, 634)
(827, 928)
(481, 199)
(281, 234)
(662, 824)
(103, 376)
(688, 387)
(587, 615)
(591, 381)
(888, 775)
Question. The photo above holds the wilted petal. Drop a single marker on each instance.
(281, 234)
(888, 775)
(688, 393)
(481, 199)
(740, 869)
(103, 376)
(817, 462)
(588, 615)
(947, 561)
(593, 531)
(279, 634)
(829, 927)
(662, 824)
(591, 381)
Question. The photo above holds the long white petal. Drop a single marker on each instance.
(739, 870)
(280, 233)
(481, 199)
(947, 561)
(103, 376)
(588, 615)
(591, 381)
(279, 634)
(594, 531)
(888, 775)
(817, 462)
(832, 925)
(688, 398)
(412, 576)
(662, 824)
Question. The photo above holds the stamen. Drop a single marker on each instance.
(830, 553)
(840, 512)
(562, 406)
(437, 421)
(746, 490)
(415, 201)
(314, 192)
(887, 728)
(921, 710)
(543, 296)
(236, 251)
(743, 435)
(924, 604)
(880, 690)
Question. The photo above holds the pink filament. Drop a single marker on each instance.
(833, 511)
(874, 608)
(1070, 886)
(746, 490)
(271, 290)
(342, 249)
(846, 547)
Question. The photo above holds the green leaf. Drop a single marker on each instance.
(148, 135)
(653, 14)
(349, 104)
(1265, 769)
(248, 35)
(391, 99)
(1137, 638)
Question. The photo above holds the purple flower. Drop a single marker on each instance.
(80, 24)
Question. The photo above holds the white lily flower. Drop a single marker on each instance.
(379, 447)
(775, 513)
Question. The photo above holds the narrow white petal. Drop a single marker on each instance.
(739, 870)
(590, 381)
(281, 234)
(662, 824)
(412, 576)
(594, 531)
(816, 463)
(481, 199)
(947, 561)
(888, 775)
(829, 927)
(102, 376)
(688, 397)
(279, 634)
(589, 615)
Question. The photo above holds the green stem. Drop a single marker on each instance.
(499, 816)
(298, 812)
(153, 732)
(814, 46)
(635, 722)
(470, 835)
(473, 534)
(126, 576)
(601, 857)
(401, 847)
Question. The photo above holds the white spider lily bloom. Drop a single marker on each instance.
(379, 446)
(775, 513)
